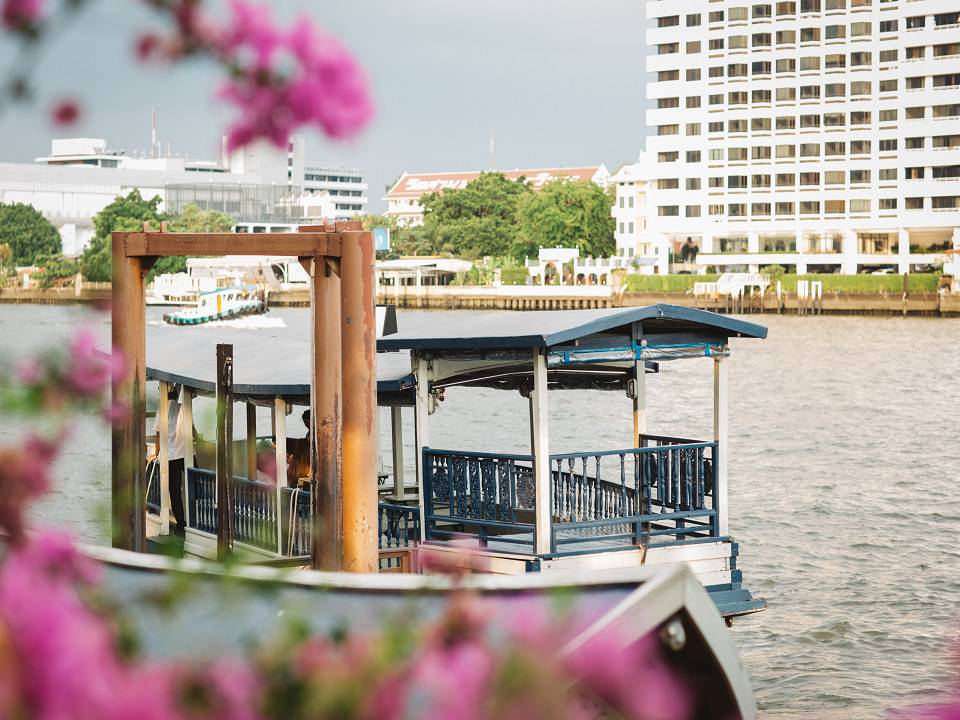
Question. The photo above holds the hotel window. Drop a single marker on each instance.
(834, 148)
(888, 203)
(693, 74)
(810, 150)
(807, 6)
(915, 53)
(913, 143)
(760, 181)
(760, 97)
(810, 34)
(668, 184)
(944, 80)
(835, 32)
(716, 71)
(760, 124)
(667, 75)
(760, 209)
(670, 21)
(737, 210)
(716, 209)
(915, 113)
(716, 44)
(836, 5)
(761, 40)
(917, 83)
(888, 85)
(946, 111)
(913, 173)
(917, 21)
(693, 47)
(860, 206)
(859, 29)
(737, 42)
(946, 171)
(668, 48)
(716, 16)
(760, 68)
(693, 129)
(785, 151)
(809, 207)
(786, 122)
(693, 156)
(693, 20)
(860, 87)
(947, 18)
(630, 228)
(887, 56)
(860, 147)
(715, 127)
(666, 157)
(834, 119)
(948, 50)
(786, 65)
(621, 228)
(786, 8)
(716, 99)
(761, 11)
(668, 130)
(786, 179)
(760, 152)
(834, 207)
(693, 183)
(914, 203)
(810, 178)
(785, 209)
(834, 90)
(809, 92)
(888, 173)
(809, 63)
(737, 98)
(888, 26)
(693, 101)
(888, 145)
(736, 14)
(736, 154)
(692, 211)
(809, 121)
(737, 70)
(737, 182)
(834, 177)
(787, 94)
(859, 177)
(716, 153)
(668, 210)
(663, 103)
(786, 37)
(888, 115)
(860, 117)
(835, 61)
(737, 126)
(860, 58)
(715, 182)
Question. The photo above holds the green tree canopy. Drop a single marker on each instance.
(568, 214)
(192, 219)
(478, 220)
(123, 214)
(28, 233)
(56, 269)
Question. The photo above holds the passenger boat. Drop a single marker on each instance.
(654, 500)
(221, 304)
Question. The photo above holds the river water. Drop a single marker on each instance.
(844, 467)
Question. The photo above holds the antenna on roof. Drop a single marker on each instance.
(493, 152)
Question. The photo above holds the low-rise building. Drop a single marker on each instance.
(629, 213)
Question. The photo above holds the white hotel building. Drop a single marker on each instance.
(818, 134)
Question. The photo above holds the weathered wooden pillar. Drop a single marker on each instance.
(360, 420)
(224, 451)
(128, 506)
(541, 453)
(187, 419)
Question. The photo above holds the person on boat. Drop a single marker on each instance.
(176, 451)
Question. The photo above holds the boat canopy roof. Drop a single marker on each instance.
(658, 324)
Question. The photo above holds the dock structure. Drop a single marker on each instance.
(344, 316)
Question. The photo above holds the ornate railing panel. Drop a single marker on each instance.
(398, 527)
(255, 513)
(202, 486)
(153, 487)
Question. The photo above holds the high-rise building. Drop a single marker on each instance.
(346, 187)
(820, 135)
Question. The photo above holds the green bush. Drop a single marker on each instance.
(664, 283)
(860, 284)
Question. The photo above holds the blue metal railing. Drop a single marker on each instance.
(483, 494)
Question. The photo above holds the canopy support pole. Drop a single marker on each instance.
(280, 448)
(640, 394)
(541, 454)
(224, 451)
(421, 430)
(396, 437)
(187, 419)
(163, 456)
(720, 436)
(251, 441)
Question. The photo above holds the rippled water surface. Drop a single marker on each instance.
(844, 466)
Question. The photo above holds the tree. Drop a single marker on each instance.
(124, 214)
(56, 269)
(191, 220)
(478, 220)
(566, 214)
(27, 233)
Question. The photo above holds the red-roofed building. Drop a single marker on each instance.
(403, 199)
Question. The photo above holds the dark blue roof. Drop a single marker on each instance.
(548, 328)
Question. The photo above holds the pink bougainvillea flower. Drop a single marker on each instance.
(22, 14)
(24, 475)
(87, 374)
(29, 371)
(252, 30)
(65, 112)
(147, 46)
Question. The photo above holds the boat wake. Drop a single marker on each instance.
(248, 322)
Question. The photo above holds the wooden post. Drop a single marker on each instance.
(396, 437)
(224, 451)
(541, 454)
(280, 437)
(163, 456)
(358, 299)
(251, 441)
(421, 424)
(187, 419)
(720, 435)
(640, 396)
(128, 507)
(325, 417)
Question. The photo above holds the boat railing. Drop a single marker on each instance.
(479, 494)
(153, 486)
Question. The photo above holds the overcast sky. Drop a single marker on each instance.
(560, 82)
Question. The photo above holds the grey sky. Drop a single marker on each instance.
(561, 82)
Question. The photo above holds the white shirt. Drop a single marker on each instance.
(176, 436)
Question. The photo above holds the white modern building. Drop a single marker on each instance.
(818, 134)
(346, 187)
(629, 213)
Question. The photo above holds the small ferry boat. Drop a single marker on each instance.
(221, 304)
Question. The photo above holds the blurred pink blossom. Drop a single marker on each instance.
(29, 371)
(65, 112)
(24, 475)
(19, 14)
(87, 374)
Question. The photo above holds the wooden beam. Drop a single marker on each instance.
(128, 506)
(720, 435)
(541, 453)
(309, 244)
(326, 419)
(224, 451)
(360, 435)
